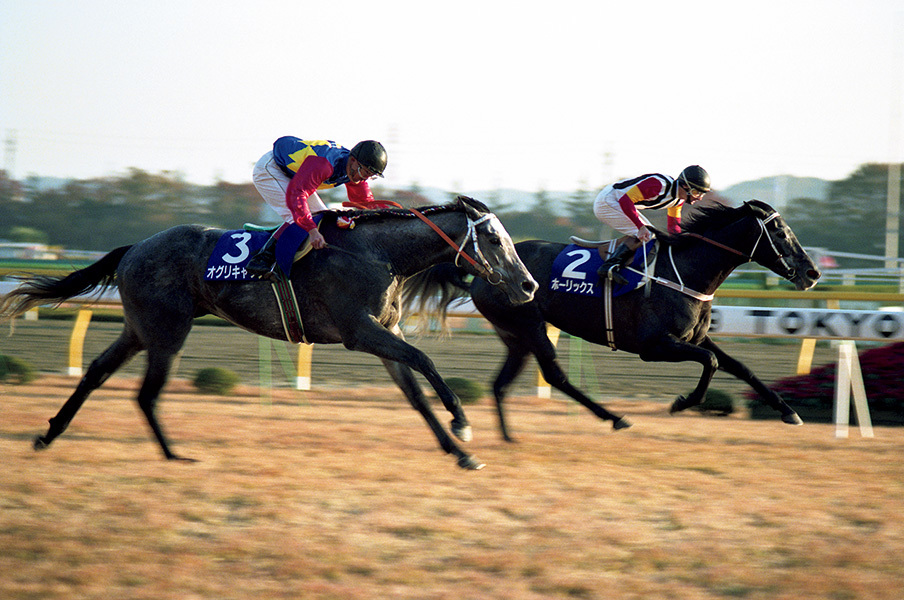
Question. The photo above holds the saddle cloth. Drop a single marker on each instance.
(235, 248)
(574, 271)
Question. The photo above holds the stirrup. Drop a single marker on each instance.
(265, 272)
(616, 277)
(270, 275)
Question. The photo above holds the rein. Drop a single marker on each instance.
(680, 287)
(756, 244)
(460, 250)
(718, 245)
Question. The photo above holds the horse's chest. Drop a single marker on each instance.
(687, 325)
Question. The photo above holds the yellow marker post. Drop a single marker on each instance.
(77, 342)
(544, 390)
(805, 359)
(303, 378)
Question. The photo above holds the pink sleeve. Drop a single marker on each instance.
(359, 192)
(312, 172)
(649, 188)
(673, 220)
(630, 210)
(642, 190)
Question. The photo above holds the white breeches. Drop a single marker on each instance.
(271, 183)
(607, 209)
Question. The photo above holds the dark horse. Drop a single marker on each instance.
(658, 323)
(348, 292)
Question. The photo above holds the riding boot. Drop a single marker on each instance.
(618, 259)
(261, 264)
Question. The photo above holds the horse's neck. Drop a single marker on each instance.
(423, 247)
(702, 266)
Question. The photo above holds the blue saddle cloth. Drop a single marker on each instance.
(235, 248)
(574, 272)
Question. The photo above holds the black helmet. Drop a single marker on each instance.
(371, 155)
(695, 177)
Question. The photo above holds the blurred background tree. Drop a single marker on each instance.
(100, 214)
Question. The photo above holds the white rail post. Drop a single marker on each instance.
(849, 379)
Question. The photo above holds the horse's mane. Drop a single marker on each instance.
(380, 214)
(712, 216)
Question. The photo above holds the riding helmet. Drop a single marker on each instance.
(371, 155)
(695, 177)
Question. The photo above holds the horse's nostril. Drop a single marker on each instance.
(813, 274)
(529, 286)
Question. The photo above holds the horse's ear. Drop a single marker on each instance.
(759, 208)
(473, 208)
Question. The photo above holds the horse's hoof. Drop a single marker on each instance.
(462, 432)
(678, 405)
(470, 463)
(622, 423)
(792, 419)
(39, 443)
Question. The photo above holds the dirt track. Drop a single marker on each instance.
(309, 496)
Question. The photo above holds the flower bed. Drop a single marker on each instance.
(813, 395)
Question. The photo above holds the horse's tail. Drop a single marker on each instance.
(429, 293)
(44, 289)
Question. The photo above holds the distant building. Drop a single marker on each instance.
(33, 251)
(28, 251)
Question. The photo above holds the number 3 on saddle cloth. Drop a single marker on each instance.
(235, 248)
(574, 271)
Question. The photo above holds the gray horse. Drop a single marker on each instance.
(348, 292)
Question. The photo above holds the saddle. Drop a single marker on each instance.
(604, 287)
(235, 248)
(606, 247)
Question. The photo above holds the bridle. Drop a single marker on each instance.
(491, 275)
(680, 287)
(779, 257)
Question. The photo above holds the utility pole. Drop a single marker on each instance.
(9, 153)
(893, 203)
(893, 215)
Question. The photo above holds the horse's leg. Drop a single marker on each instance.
(668, 348)
(537, 342)
(159, 363)
(513, 365)
(732, 366)
(404, 378)
(555, 376)
(120, 351)
(366, 335)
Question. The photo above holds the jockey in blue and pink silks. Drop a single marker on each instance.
(617, 206)
(289, 176)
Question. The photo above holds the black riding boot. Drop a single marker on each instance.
(618, 259)
(261, 264)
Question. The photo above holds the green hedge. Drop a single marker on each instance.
(215, 380)
(468, 391)
(15, 370)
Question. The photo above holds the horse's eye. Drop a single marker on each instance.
(495, 240)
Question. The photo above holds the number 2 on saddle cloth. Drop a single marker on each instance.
(574, 271)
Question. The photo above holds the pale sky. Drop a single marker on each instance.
(465, 95)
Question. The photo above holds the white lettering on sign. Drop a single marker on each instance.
(808, 323)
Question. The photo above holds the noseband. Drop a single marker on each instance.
(492, 276)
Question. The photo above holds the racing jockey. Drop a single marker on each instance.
(289, 176)
(618, 206)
